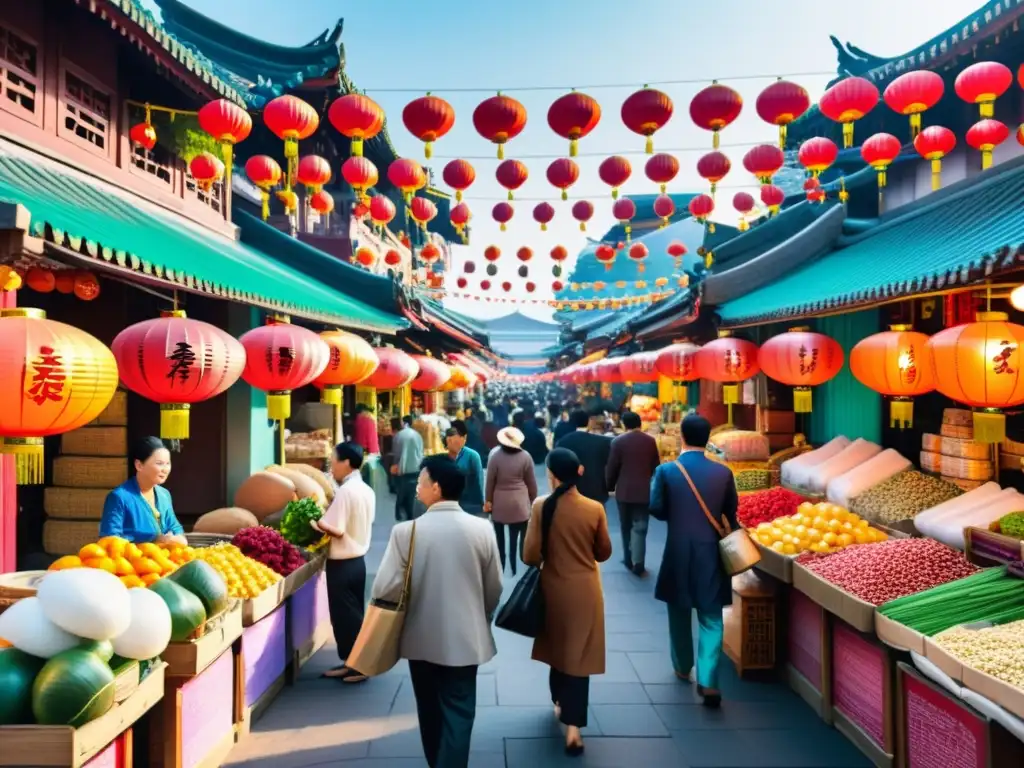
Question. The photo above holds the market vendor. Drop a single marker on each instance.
(140, 509)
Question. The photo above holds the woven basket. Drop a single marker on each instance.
(958, 417)
(66, 537)
(95, 441)
(952, 430)
(967, 485)
(116, 413)
(74, 503)
(89, 472)
(951, 466)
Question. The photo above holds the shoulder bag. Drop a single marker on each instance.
(738, 551)
(376, 650)
(523, 612)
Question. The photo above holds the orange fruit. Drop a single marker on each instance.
(149, 578)
(149, 549)
(115, 546)
(122, 567)
(91, 550)
(132, 551)
(102, 563)
(144, 565)
(68, 561)
(132, 580)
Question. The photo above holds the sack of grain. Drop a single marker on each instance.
(882, 466)
(949, 527)
(853, 455)
(794, 470)
(739, 445)
(960, 504)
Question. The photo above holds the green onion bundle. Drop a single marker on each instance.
(989, 595)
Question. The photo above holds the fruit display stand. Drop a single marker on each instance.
(309, 623)
(105, 742)
(261, 664)
(809, 653)
(189, 659)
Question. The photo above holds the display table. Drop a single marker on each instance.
(309, 622)
(261, 662)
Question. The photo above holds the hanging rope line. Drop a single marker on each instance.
(633, 150)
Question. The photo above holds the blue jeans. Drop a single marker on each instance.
(709, 644)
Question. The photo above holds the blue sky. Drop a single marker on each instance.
(399, 49)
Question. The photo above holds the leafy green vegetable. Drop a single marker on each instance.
(1012, 524)
(295, 523)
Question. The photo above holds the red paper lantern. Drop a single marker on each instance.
(811, 182)
(408, 176)
(847, 102)
(701, 207)
(382, 210)
(573, 116)
(676, 250)
(524, 254)
(360, 174)
(801, 359)
(982, 84)
(503, 213)
(816, 195)
(662, 169)
(715, 108)
(638, 252)
(313, 172)
(615, 171)
(395, 369)
(227, 123)
(898, 364)
(459, 175)
(206, 169)
(763, 162)
(433, 374)
(291, 120)
(485, 285)
(986, 135)
(392, 258)
(773, 197)
(143, 134)
(462, 282)
(879, 151)
(422, 211)
(492, 253)
(729, 361)
(639, 368)
(713, 167)
(744, 203)
(559, 254)
(86, 287)
(608, 371)
(460, 216)
(176, 361)
(511, 174)
(582, 211)
(321, 202)
(664, 209)
(499, 119)
(65, 281)
(780, 104)
(562, 174)
(356, 117)
(557, 286)
(428, 118)
(913, 93)
(624, 210)
(366, 256)
(645, 112)
(934, 143)
(531, 287)
(817, 154)
(40, 280)
(265, 173)
(605, 254)
(280, 357)
(678, 362)
(351, 360)
(430, 253)
(543, 213)
(1020, 134)
(506, 286)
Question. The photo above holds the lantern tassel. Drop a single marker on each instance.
(174, 421)
(458, 195)
(331, 395)
(640, 267)
(936, 175)
(782, 137)
(987, 108)
(279, 405)
(510, 195)
(989, 426)
(986, 159)
(573, 147)
(915, 125)
(882, 178)
(583, 226)
(847, 135)
(615, 193)
(543, 227)
(502, 227)
(428, 150)
(802, 400)
(715, 141)
(730, 395)
(565, 194)
(357, 147)
(291, 152)
(901, 413)
(649, 146)
(744, 226)
(501, 151)
(266, 203)
(28, 458)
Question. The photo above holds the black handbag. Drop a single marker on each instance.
(523, 612)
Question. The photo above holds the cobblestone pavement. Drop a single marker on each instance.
(640, 714)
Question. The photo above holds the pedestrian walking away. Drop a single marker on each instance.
(568, 537)
(633, 459)
(592, 451)
(692, 576)
(407, 450)
(511, 489)
(349, 522)
(455, 588)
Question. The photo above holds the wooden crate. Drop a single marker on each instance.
(74, 503)
(89, 472)
(752, 622)
(95, 441)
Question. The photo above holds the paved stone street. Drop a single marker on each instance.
(640, 714)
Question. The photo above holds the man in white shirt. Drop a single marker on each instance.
(454, 591)
(349, 522)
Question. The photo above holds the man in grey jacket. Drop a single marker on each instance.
(454, 591)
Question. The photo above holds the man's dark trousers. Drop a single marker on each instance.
(446, 705)
(634, 519)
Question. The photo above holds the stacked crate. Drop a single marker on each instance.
(779, 426)
(93, 460)
(954, 455)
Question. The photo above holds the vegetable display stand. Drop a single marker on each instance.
(46, 746)
(255, 609)
(191, 658)
(934, 729)
(863, 683)
(295, 580)
(194, 725)
(987, 548)
(856, 612)
(260, 666)
(809, 644)
(309, 622)
(750, 626)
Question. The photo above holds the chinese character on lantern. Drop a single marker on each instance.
(49, 378)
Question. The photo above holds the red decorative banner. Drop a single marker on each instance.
(940, 732)
(858, 681)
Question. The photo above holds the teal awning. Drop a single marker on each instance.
(959, 235)
(94, 220)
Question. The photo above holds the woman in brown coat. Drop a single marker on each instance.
(568, 534)
(511, 487)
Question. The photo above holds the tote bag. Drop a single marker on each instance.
(376, 650)
(523, 612)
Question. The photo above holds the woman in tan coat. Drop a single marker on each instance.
(568, 534)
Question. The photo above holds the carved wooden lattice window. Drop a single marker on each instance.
(156, 163)
(211, 197)
(86, 112)
(19, 73)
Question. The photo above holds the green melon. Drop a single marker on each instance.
(187, 611)
(73, 688)
(102, 648)
(204, 582)
(17, 672)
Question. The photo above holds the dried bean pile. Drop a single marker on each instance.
(903, 496)
(765, 506)
(996, 651)
(878, 573)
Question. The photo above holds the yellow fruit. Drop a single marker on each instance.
(862, 523)
(90, 551)
(776, 534)
(819, 522)
(788, 549)
(144, 565)
(861, 537)
(131, 581)
(847, 526)
(805, 508)
(802, 544)
(102, 563)
(122, 567)
(764, 527)
(132, 551)
(806, 521)
(834, 525)
(114, 546)
(813, 535)
(765, 539)
(844, 540)
(829, 539)
(777, 546)
(68, 561)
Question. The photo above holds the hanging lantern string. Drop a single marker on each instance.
(631, 151)
(556, 198)
(150, 108)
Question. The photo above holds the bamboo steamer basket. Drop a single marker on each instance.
(952, 430)
(959, 417)
(966, 485)
(1012, 446)
(951, 466)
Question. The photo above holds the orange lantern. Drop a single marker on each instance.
(10, 279)
(985, 356)
(313, 173)
(366, 256)
(55, 378)
(898, 364)
(729, 361)
(64, 281)
(676, 250)
(265, 173)
(430, 253)
(605, 254)
(801, 359)
(228, 124)
(356, 117)
(291, 120)
(143, 134)
(86, 286)
(351, 361)
(321, 202)
(40, 280)
(428, 118)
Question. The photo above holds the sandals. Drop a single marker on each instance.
(345, 674)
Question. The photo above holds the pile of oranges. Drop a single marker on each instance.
(137, 565)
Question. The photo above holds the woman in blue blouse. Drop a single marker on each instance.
(139, 509)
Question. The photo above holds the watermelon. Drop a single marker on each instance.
(187, 611)
(17, 672)
(102, 648)
(73, 688)
(204, 582)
